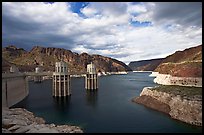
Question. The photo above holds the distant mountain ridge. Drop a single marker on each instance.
(47, 56)
(186, 63)
(145, 65)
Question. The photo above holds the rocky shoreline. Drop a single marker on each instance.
(186, 110)
(19, 120)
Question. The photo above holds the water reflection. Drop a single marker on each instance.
(91, 97)
(62, 103)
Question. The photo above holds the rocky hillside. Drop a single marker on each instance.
(145, 65)
(187, 63)
(189, 54)
(11, 52)
(46, 57)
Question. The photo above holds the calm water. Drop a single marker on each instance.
(108, 110)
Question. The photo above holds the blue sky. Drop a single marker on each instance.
(76, 6)
(122, 30)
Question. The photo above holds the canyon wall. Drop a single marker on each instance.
(188, 110)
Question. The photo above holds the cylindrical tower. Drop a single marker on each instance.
(61, 80)
(91, 79)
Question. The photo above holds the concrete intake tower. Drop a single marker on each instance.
(61, 80)
(91, 79)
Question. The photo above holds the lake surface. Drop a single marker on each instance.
(108, 110)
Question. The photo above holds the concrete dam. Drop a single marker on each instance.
(14, 88)
(15, 84)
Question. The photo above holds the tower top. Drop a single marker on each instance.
(91, 69)
(61, 67)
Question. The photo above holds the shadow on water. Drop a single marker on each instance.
(91, 97)
(62, 103)
(22, 104)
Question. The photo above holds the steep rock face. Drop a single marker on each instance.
(183, 109)
(77, 62)
(153, 103)
(145, 65)
(187, 63)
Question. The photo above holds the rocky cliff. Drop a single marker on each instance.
(187, 63)
(145, 65)
(183, 103)
(180, 105)
(47, 56)
(19, 120)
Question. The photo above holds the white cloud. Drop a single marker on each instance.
(107, 30)
(110, 8)
(38, 12)
(138, 8)
(89, 12)
(144, 17)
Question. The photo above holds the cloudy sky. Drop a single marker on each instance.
(124, 31)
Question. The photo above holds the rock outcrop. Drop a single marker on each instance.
(19, 120)
(186, 63)
(47, 56)
(186, 109)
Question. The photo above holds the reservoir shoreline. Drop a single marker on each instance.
(186, 110)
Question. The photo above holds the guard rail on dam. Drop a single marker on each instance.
(15, 86)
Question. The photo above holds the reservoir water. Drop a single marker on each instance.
(109, 110)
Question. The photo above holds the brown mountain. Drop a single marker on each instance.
(187, 63)
(145, 65)
(11, 52)
(47, 56)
